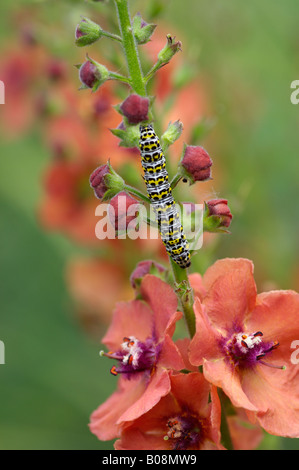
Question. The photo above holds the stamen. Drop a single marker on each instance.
(245, 350)
(113, 371)
(260, 356)
(273, 365)
(258, 333)
(111, 355)
(133, 356)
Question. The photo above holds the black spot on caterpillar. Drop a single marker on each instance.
(160, 194)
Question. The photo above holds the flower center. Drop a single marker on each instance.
(133, 356)
(246, 350)
(183, 431)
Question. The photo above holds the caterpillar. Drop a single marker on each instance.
(160, 195)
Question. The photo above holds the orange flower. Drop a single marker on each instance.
(182, 420)
(68, 205)
(20, 72)
(87, 280)
(139, 340)
(243, 340)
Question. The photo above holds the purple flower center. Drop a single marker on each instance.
(246, 350)
(134, 356)
(183, 431)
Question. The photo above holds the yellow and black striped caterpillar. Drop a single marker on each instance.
(159, 192)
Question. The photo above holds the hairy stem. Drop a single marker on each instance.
(138, 84)
(130, 47)
(185, 295)
(111, 36)
(137, 193)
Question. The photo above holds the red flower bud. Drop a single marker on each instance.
(88, 75)
(97, 181)
(92, 74)
(143, 268)
(196, 164)
(135, 109)
(87, 32)
(119, 208)
(105, 182)
(218, 210)
(78, 32)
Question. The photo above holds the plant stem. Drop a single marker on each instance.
(121, 78)
(153, 70)
(111, 36)
(185, 294)
(138, 84)
(137, 193)
(225, 432)
(130, 47)
(175, 180)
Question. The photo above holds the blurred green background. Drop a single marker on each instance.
(246, 53)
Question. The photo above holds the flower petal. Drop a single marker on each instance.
(276, 315)
(219, 373)
(205, 341)
(135, 439)
(161, 299)
(103, 420)
(231, 292)
(277, 400)
(133, 318)
(170, 356)
(197, 285)
(244, 435)
(158, 387)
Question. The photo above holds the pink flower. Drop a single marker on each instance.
(182, 420)
(243, 340)
(139, 341)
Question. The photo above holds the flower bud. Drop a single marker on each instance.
(106, 182)
(142, 30)
(87, 32)
(171, 48)
(135, 109)
(195, 164)
(129, 135)
(92, 74)
(217, 216)
(143, 268)
(119, 211)
(172, 133)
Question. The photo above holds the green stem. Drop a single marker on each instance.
(111, 36)
(225, 432)
(153, 70)
(136, 192)
(185, 294)
(138, 84)
(130, 47)
(121, 78)
(175, 180)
